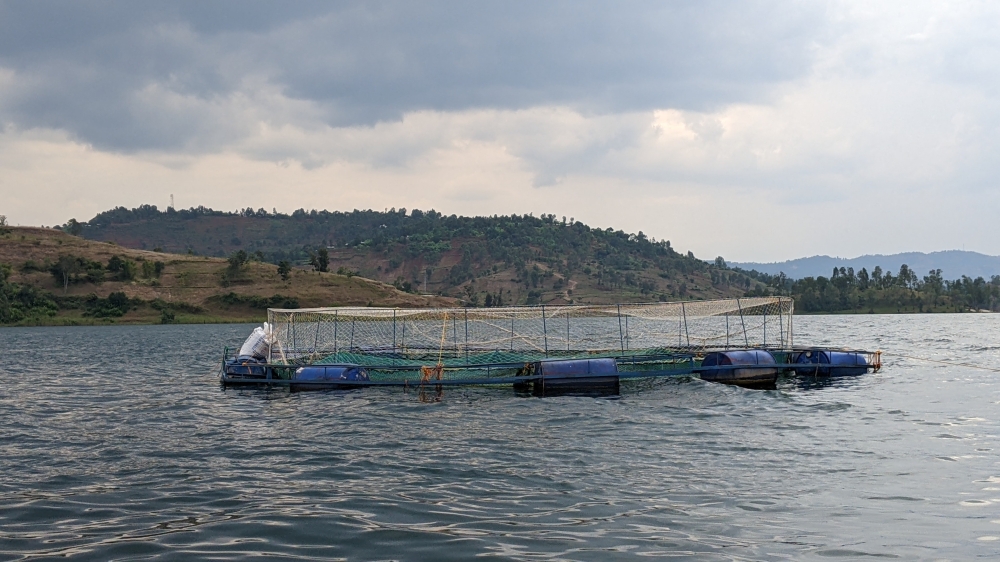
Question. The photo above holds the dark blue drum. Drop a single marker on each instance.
(331, 373)
(751, 368)
(830, 363)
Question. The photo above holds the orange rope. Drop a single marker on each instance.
(427, 372)
(436, 371)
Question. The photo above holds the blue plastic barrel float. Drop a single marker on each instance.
(828, 363)
(589, 377)
(328, 376)
(754, 368)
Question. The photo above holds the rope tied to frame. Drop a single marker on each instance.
(427, 372)
(436, 371)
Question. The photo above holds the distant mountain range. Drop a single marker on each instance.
(952, 263)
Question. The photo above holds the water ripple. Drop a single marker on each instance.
(118, 442)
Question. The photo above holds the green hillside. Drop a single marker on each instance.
(516, 259)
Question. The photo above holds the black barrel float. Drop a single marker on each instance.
(830, 363)
(751, 368)
(328, 376)
(573, 376)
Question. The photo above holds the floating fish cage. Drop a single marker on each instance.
(537, 349)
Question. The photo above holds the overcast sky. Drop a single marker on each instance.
(759, 131)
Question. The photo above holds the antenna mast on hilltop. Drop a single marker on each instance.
(171, 200)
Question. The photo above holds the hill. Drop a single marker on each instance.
(952, 263)
(483, 261)
(48, 276)
(51, 277)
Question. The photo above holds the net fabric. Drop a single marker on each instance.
(391, 337)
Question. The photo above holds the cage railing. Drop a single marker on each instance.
(511, 334)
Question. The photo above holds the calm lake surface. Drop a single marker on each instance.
(118, 443)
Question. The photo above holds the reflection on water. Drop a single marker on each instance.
(118, 442)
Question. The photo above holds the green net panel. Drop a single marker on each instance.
(501, 338)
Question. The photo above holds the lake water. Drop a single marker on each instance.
(118, 443)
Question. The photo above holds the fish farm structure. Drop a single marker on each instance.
(541, 350)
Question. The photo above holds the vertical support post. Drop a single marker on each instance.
(466, 336)
(687, 335)
(512, 331)
(394, 330)
(454, 332)
(727, 330)
(295, 345)
(402, 343)
(791, 319)
(680, 327)
(545, 332)
(781, 321)
(353, 322)
(567, 329)
(628, 344)
(336, 322)
(316, 339)
(765, 326)
(621, 334)
(743, 323)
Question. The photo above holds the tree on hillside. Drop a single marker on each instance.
(284, 269)
(124, 268)
(238, 259)
(64, 269)
(320, 260)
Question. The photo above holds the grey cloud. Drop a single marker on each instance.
(377, 63)
(88, 67)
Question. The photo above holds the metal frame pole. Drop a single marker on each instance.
(567, 330)
(687, 335)
(781, 321)
(743, 323)
(545, 332)
(621, 334)
(791, 318)
(316, 339)
(628, 342)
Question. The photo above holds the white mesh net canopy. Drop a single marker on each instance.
(477, 336)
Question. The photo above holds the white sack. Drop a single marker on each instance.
(257, 344)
